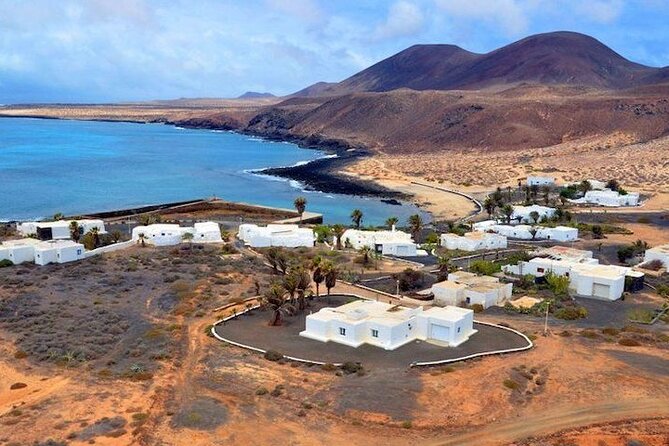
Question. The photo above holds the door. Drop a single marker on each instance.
(601, 290)
(440, 333)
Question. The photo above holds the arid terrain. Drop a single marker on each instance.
(115, 350)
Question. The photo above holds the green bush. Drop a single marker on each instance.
(272, 355)
(629, 342)
(5, 263)
(571, 313)
(559, 285)
(351, 367)
(611, 331)
(484, 267)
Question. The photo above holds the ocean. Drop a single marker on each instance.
(74, 167)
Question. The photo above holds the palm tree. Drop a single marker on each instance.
(392, 221)
(95, 232)
(356, 217)
(141, 239)
(318, 278)
(275, 301)
(289, 284)
(444, 263)
(58, 216)
(534, 215)
(365, 253)
(303, 283)
(300, 205)
(331, 277)
(338, 230)
(116, 236)
(489, 205)
(415, 225)
(507, 210)
(75, 231)
(585, 186)
(533, 232)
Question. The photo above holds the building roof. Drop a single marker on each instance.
(366, 310)
(22, 242)
(56, 244)
(565, 253)
(448, 313)
(663, 249)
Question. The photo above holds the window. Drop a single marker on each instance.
(458, 329)
(566, 274)
(468, 300)
(375, 333)
(78, 252)
(342, 331)
(540, 270)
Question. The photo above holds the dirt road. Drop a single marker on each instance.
(560, 418)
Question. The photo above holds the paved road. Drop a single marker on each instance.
(557, 419)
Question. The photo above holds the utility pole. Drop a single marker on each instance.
(548, 304)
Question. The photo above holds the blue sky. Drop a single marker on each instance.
(117, 50)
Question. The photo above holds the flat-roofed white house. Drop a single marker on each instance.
(389, 326)
(533, 180)
(207, 232)
(58, 251)
(524, 232)
(523, 213)
(608, 198)
(474, 241)
(19, 251)
(393, 242)
(288, 236)
(160, 234)
(587, 278)
(58, 230)
(464, 288)
(660, 253)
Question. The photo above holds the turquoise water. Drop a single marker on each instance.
(73, 167)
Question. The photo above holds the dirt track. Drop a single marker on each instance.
(559, 419)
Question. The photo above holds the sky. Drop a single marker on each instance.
(126, 50)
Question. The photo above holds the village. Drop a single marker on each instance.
(354, 299)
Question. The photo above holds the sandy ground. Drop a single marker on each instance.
(442, 205)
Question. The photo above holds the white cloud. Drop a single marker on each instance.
(404, 19)
(509, 14)
(600, 10)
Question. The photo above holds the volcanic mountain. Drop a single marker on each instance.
(565, 58)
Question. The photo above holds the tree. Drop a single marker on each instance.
(534, 190)
(391, 222)
(141, 239)
(444, 263)
(597, 232)
(585, 186)
(534, 215)
(613, 184)
(331, 274)
(559, 285)
(533, 232)
(489, 205)
(187, 237)
(318, 277)
(290, 283)
(75, 231)
(274, 300)
(365, 254)
(277, 259)
(116, 235)
(507, 211)
(58, 216)
(338, 231)
(303, 283)
(356, 218)
(300, 204)
(95, 233)
(415, 225)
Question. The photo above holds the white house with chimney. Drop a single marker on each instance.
(162, 234)
(288, 236)
(41, 252)
(522, 213)
(608, 198)
(587, 278)
(528, 232)
(393, 242)
(389, 326)
(474, 241)
(464, 288)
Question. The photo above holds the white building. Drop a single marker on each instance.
(523, 212)
(608, 198)
(58, 230)
(594, 184)
(524, 232)
(58, 251)
(160, 234)
(389, 326)
(19, 251)
(207, 232)
(587, 278)
(660, 253)
(474, 241)
(393, 242)
(288, 236)
(463, 288)
(540, 181)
